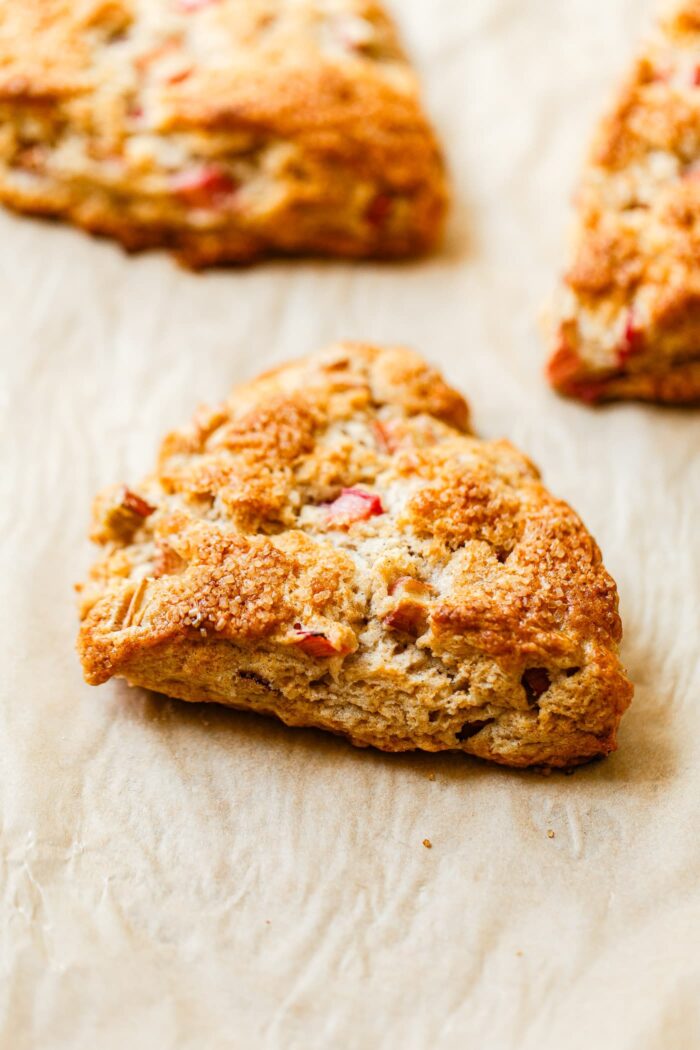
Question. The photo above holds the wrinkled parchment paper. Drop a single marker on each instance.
(185, 877)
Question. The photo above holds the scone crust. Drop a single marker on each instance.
(333, 546)
(223, 130)
(627, 322)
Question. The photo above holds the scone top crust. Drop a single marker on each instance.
(221, 119)
(337, 518)
(629, 311)
(41, 37)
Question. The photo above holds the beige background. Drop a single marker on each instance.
(186, 877)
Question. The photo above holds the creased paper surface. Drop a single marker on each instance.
(185, 877)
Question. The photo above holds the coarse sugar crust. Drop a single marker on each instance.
(627, 321)
(225, 130)
(333, 546)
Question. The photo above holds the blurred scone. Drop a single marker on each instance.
(333, 546)
(628, 316)
(225, 130)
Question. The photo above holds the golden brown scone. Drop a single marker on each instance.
(628, 317)
(333, 546)
(225, 130)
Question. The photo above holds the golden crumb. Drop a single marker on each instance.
(550, 834)
(427, 843)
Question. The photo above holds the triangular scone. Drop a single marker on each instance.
(334, 547)
(628, 320)
(225, 130)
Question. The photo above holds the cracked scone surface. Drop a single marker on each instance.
(628, 314)
(333, 546)
(225, 130)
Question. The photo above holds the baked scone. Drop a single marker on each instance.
(224, 130)
(333, 546)
(628, 318)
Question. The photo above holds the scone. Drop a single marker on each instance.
(333, 546)
(628, 317)
(224, 130)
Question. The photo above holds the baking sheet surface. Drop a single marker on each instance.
(181, 876)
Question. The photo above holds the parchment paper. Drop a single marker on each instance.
(185, 877)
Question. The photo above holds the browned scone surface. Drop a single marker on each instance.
(334, 547)
(225, 130)
(628, 316)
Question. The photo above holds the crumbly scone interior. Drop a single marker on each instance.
(333, 547)
(170, 115)
(628, 313)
